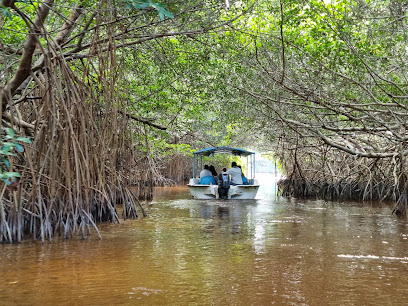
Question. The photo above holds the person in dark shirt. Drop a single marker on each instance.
(223, 184)
(212, 169)
(214, 173)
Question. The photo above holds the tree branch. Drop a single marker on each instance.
(144, 121)
(24, 67)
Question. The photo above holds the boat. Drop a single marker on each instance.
(244, 192)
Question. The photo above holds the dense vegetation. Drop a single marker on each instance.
(114, 94)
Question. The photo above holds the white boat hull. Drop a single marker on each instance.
(244, 192)
(204, 191)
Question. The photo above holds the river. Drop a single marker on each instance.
(270, 250)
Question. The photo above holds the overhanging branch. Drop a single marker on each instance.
(144, 121)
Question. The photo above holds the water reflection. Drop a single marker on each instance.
(257, 252)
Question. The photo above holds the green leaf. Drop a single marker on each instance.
(7, 163)
(159, 7)
(23, 139)
(10, 132)
(161, 15)
(8, 146)
(6, 12)
(19, 147)
(12, 174)
(7, 175)
(167, 13)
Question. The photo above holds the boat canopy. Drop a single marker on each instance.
(223, 150)
(198, 158)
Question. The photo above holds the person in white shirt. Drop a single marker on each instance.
(235, 172)
(205, 172)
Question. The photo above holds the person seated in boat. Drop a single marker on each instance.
(244, 179)
(206, 177)
(235, 172)
(213, 172)
(223, 184)
(205, 172)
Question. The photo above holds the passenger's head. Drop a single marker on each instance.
(239, 167)
(206, 167)
(233, 164)
(224, 169)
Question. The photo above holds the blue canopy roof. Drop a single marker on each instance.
(223, 150)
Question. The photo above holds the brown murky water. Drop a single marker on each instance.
(194, 252)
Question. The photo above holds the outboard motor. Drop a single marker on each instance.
(223, 185)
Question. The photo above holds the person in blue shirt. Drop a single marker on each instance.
(244, 179)
(206, 177)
